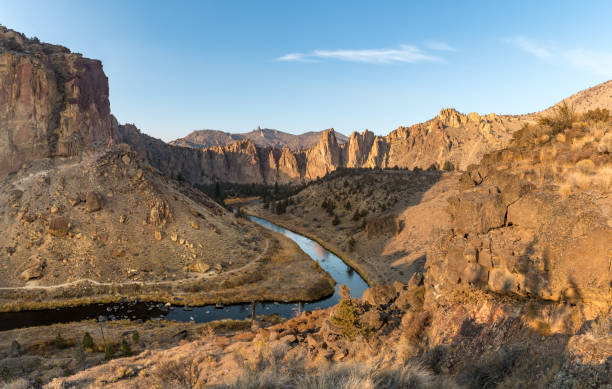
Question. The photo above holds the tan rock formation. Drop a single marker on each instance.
(52, 102)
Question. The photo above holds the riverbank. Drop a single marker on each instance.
(283, 272)
(366, 272)
(382, 223)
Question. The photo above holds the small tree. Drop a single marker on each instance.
(109, 352)
(60, 342)
(88, 343)
(345, 314)
(336, 220)
(126, 350)
(351, 244)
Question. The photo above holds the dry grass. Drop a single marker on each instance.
(605, 144)
(19, 383)
(185, 373)
(341, 376)
(563, 116)
(579, 143)
(586, 166)
(598, 179)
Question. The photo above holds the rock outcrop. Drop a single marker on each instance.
(531, 231)
(52, 102)
(451, 140)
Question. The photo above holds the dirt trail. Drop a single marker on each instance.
(141, 283)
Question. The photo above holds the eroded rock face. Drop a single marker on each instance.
(451, 140)
(52, 102)
(514, 235)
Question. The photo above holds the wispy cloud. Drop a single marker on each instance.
(403, 54)
(529, 46)
(439, 46)
(594, 61)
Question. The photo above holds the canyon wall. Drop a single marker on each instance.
(52, 102)
(450, 140)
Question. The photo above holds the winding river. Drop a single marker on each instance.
(341, 272)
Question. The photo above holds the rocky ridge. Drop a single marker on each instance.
(261, 137)
(451, 140)
(533, 219)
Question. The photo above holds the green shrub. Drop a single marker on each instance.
(109, 352)
(336, 220)
(126, 350)
(345, 317)
(563, 116)
(60, 342)
(135, 337)
(88, 343)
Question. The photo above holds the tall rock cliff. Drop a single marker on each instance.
(52, 102)
(450, 139)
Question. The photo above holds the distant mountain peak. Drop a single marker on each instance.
(262, 137)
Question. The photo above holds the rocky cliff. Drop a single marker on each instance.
(534, 219)
(452, 140)
(241, 162)
(52, 102)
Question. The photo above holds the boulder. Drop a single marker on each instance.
(75, 199)
(160, 212)
(59, 226)
(379, 295)
(478, 210)
(14, 195)
(371, 320)
(199, 267)
(34, 270)
(93, 201)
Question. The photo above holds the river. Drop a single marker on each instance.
(331, 263)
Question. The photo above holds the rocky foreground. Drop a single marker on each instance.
(393, 337)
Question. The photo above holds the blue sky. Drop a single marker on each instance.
(177, 66)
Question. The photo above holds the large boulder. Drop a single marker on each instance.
(93, 201)
(478, 210)
(379, 295)
(34, 270)
(59, 226)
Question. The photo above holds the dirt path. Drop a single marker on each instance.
(141, 283)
